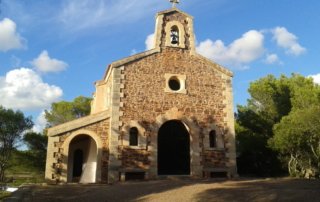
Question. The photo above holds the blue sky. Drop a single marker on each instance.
(56, 49)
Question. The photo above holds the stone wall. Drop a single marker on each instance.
(215, 159)
(102, 97)
(181, 18)
(61, 145)
(144, 97)
(134, 158)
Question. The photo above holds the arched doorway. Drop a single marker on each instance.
(82, 159)
(77, 164)
(173, 149)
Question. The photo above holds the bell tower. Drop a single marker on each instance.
(174, 28)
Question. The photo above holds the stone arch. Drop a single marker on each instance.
(181, 32)
(194, 131)
(66, 146)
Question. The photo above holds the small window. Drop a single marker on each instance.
(133, 139)
(213, 139)
(174, 35)
(174, 83)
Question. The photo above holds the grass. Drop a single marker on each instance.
(19, 179)
(25, 168)
(4, 194)
(26, 178)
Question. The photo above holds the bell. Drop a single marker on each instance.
(174, 38)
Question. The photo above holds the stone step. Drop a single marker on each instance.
(175, 177)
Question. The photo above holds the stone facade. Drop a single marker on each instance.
(144, 92)
(97, 127)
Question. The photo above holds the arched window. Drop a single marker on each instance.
(133, 136)
(174, 35)
(213, 139)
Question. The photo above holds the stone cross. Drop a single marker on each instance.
(174, 2)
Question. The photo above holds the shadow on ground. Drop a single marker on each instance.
(182, 190)
(263, 190)
(128, 191)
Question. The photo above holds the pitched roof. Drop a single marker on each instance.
(173, 10)
(78, 123)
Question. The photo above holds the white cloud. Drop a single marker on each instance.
(288, 41)
(40, 123)
(316, 78)
(85, 14)
(9, 38)
(239, 53)
(44, 63)
(272, 59)
(133, 52)
(149, 42)
(24, 89)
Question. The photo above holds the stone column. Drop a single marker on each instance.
(229, 119)
(51, 159)
(114, 162)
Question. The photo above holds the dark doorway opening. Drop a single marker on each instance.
(83, 159)
(173, 149)
(134, 176)
(218, 175)
(77, 164)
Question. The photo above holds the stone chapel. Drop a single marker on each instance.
(166, 111)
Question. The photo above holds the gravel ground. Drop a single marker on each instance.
(283, 189)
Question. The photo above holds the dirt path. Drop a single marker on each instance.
(183, 191)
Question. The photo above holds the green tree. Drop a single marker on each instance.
(271, 100)
(36, 141)
(297, 137)
(37, 148)
(12, 125)
(64, 111)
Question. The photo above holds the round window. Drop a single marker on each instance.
(174, 84)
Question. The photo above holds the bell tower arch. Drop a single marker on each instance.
(174, 28)
(175, 34)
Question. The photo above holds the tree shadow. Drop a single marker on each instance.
(127, 191)
(203, 190)
(264, 190)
